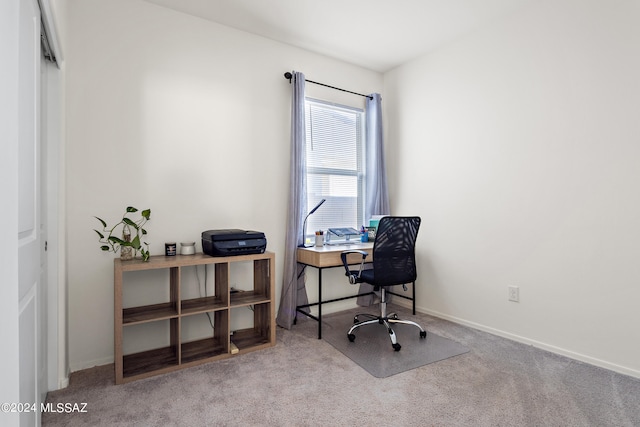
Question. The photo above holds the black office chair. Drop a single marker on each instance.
(394, 263)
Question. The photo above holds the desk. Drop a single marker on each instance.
(328, 256)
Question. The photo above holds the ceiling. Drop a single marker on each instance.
(374, 34)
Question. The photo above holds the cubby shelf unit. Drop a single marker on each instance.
(222, 343)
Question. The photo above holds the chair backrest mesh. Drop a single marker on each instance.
(394, 255)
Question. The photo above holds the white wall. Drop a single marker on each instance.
(515, 145)
(180, 115)
(518, 146)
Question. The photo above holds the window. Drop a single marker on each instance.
(335, 165)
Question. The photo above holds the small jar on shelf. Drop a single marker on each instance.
(187, 248)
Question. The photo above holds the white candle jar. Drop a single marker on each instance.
(187, 248)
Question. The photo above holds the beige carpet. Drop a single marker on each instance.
(303, 381)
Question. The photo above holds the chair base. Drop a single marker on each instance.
(384, 319)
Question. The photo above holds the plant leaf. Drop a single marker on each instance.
(131, 209)
(144, 231)
(99, 234)
(136, 243)
(104, 248)
(146, 214)
(130, 222)
(104, 224)
(118, 240)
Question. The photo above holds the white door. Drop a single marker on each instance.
(29, 220)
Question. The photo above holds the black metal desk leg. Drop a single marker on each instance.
(414, 298)
(320, 303)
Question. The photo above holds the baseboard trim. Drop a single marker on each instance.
(91, 364)
(524, 340)
(63, 383)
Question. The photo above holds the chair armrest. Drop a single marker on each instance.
(353, 278)
(354, 251)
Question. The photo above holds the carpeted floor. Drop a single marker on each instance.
(303, 381)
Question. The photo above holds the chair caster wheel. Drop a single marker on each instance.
(351, 337)
(396, 346)
(423, 334)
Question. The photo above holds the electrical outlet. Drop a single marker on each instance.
(514, 294)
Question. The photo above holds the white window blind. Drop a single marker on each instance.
(334, 165)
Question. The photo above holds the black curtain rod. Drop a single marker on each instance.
(289, 76)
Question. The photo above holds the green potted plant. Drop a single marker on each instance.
(129, 243)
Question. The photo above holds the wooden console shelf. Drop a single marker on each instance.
(222, 342)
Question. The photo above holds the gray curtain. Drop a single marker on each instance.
(377, 197)
(293, 282)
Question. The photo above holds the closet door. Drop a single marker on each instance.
(30, 274)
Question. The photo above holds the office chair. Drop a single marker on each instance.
(394, 263)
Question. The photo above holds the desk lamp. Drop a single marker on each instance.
(304, 226)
